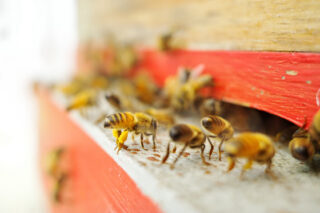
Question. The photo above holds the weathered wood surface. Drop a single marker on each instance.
(99, 184)
(284, 25)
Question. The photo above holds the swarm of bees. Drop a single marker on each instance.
(142, 108)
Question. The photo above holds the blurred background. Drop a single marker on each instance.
(37, 41)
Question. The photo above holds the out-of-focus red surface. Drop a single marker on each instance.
(95, 181)
(281, 83)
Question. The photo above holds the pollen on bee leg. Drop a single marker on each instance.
(246, 167)
(121, 139)
(232, 163)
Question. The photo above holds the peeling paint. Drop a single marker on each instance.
(308, 82)
(283, 77)
(291, 72)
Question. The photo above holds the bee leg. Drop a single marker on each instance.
(211, 148)
(181, 152)
(141, 141)
(154, 142)
(116, 133)
(232, 163)
(100, 119)
(268, 170)
(164, 159)
(220, 146)
(246, 167)
(133, 134)
(122, 138)
(202, 156)
(174, 149)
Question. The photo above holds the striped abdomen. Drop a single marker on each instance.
(122, 120)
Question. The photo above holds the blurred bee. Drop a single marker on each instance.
(167, 42)
(315, 130)
(145, 89)
(52, 162)
(163, 116)
(217, 127)
(182, 89)
(113, 100)
(164, 42)
(124, 58)
(306, 143)
(285, 135)
(253, 146)
(137, 123)
(188, 135)
(71, 88)
(207, 106)
(58, 186)
(85, 98)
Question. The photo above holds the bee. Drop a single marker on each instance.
(52, 161)
(301, 146)
(114, 101)
(167, 42)
(188, 135)
(145, 89)
(285, 135)
(137, 123)
(58, 186)
(306, 143)
(207, 106)
(163, 116)
(253, 146)
(217, 127)
(184, 96)
(85, 98)
(164, 42)
(315, 130)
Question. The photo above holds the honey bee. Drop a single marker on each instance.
(184, 96)
(58, 186)
(253, 146)
(217, 127)
(145, 89)
(114, 101)
(306, 143)
(52, 161)
(207, 106)
(315, 130)
(188, 135)
(164, 42)
(167, 42)
(301, 146)
(137, 123)
(285, 135)
(85, 98)
(163, 116)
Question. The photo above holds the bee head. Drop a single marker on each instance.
(106, 124)
(180, 132)
(301, 148)
(207, 122)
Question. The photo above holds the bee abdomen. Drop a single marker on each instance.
(119, 120)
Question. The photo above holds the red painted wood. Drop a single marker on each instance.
(262, 80)
(96, 183)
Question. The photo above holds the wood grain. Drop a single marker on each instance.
(283, 25)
